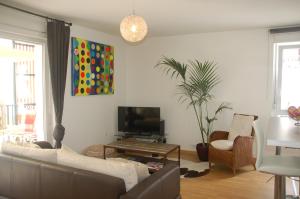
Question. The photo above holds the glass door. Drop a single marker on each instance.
(21, 91)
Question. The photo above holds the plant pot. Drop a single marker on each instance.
(202, 151)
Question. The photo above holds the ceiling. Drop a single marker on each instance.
(172, 17)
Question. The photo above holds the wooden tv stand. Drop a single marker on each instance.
(141, 147)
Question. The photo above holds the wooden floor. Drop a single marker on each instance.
(220, 183)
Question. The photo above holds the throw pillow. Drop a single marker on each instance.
(44, 144)
(141, 169)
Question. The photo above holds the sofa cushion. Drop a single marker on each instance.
(125, 171)
(30, 151)
(141, 169)
(225, 145)
(241, 126)
(65, 148)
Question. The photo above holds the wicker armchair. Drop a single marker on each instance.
(241, 153)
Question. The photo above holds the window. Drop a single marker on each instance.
(287, 75)
(21, 91)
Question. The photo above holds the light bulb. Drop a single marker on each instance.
(133, 28)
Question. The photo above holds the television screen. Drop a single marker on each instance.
(139, 120)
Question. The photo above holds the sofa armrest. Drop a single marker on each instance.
(163, 184)
(218, 135)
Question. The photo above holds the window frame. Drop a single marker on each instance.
(278, 49)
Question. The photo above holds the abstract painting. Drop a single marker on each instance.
(92, 68)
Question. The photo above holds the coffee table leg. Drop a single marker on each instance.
(179, 155)
(165, 160)
(104, 155)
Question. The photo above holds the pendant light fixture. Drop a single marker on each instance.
(133, 28)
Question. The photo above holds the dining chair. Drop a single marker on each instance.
(288, 166)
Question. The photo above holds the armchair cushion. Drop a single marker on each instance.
(218, 135)
(241, 125)
(225, 145)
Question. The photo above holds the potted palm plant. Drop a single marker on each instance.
(196, 81)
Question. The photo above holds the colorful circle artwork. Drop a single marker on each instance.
(98, 48)
(76, 51)
(92, 68)
(98, 69)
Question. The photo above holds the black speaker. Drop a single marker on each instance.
(162, 128)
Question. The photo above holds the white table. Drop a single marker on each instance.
(282, 132)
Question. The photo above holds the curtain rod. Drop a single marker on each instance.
(32, 13)
(285, 30)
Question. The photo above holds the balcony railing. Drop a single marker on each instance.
(18, 121)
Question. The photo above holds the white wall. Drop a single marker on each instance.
(242, 57)
(93, 119)
(88, 120)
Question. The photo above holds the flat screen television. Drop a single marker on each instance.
(139, 120)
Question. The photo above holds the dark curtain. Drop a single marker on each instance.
(58, 35)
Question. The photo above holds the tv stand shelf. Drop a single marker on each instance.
(151, 138)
